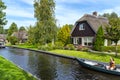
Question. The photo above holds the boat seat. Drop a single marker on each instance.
(91, 63)
(117, 69)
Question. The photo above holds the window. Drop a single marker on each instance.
(88, 41)
(75, 40)
(81, 27)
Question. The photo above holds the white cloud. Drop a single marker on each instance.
(19, 12)
(64, 14)
(115, 9)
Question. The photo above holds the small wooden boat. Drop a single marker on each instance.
(93, 65)
(2, 45)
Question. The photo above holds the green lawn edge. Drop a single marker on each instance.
(9, 71)
(101, 57)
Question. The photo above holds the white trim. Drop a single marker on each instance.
(82, 41)
(81, 26)
(87, 40)
(75, 40)
(105, 42)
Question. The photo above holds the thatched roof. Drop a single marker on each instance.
(94, 21)
(20, 34)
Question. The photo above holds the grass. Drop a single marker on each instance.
(79, 54)
(9, 71)
(88, 55)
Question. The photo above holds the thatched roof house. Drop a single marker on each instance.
(21, 35)
(86, 27)
(2, 37)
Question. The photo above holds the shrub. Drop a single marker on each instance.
(13, 40)
(69, 47)
(99, 41)
(85, 49)
(110, 48)
(59, 45)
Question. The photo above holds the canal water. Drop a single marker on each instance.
(48, 67)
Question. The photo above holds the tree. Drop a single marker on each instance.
(64, 34)
(13, 28)
(31, 33)
(110, 16)
(3, 20)
(1, 30)
(113, 31)
(46, 24)
(71, 26)
(13, 40)
(22, 28)
(99, 41)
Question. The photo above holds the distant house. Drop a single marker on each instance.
(21, 35)
(2, 39)
(85, 29)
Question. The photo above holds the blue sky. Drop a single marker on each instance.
(66, 11)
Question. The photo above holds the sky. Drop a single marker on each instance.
(66, 11)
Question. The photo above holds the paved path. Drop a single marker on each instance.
(103, 52)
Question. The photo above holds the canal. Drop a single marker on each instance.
(48, 67)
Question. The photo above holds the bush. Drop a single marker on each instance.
(85, 49)
(13, 40)
(110, 48)
(49, 46)
(59, 45)
(69, 47)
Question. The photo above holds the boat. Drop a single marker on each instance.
(2, 45)
(98, 66)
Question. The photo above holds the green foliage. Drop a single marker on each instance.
(1, 30)
(69, 47)
(9, 71)
(22, 28)
(64, 34)
(110, 16)
(5, 31)
(46, 23)
(99, 41)
(13, 40)
(3, 20)
(59, 45)
(113, 31)
(31, 37)
(13, 28)
(111, 48)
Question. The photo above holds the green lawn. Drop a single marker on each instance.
(9, 71)
(88, 55)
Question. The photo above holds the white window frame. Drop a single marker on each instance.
(75, 40)
(81, 26)
(88, 40)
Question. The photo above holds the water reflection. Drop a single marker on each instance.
(49, 67)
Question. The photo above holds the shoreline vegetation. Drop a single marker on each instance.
(9, 71)
(100, 57)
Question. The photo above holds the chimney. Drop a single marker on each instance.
(95, 13)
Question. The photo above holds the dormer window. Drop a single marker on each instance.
(81, 27)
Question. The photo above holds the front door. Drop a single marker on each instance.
(80, 41)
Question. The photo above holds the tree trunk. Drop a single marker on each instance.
(116, 54)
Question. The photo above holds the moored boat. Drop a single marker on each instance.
(2, 45)
(97, 66)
